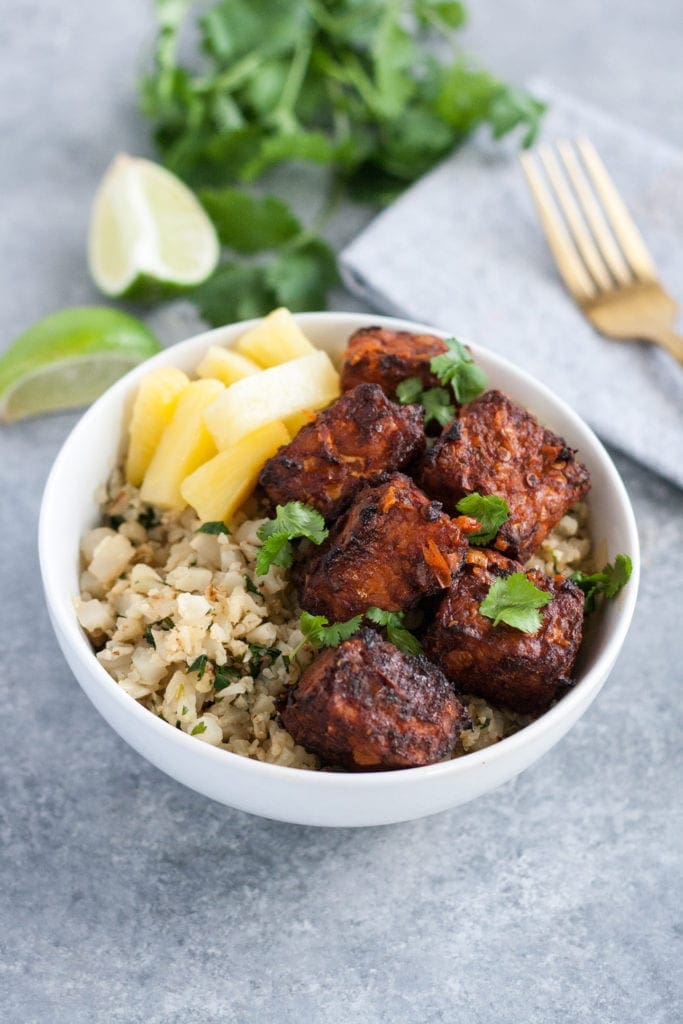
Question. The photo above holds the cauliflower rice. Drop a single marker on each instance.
(184, 625)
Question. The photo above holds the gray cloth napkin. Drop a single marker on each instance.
(463, 250)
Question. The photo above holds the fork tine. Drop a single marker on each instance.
(591, 211)
(627, 233)
(569, 264)
(582, 239)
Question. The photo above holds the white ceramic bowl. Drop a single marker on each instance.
(288, 794)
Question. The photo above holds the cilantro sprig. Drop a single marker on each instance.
(397, 634)
(489, 510)
(435, 401)
(606, 583)
(350, 86)
(213, 527)
(457, 368)
(515, 601)
(292, 521)
(319, 632)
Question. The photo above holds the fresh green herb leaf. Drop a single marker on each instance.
(300, 277)
(276, 550)
(249, 224)
(318, 631)
(251, 586)
(165, 624)
(199, 728)
(199, 665)
(409, 391)
(445, 14)
(397, 633)
(293, 520)
(437, 406)
(224, 675)
(605, 583)
(261, 654)
(184, 711)
(213, 528)
(234, 292)
(514, 600)
(457, 368)
(489, 510)
(435, 401)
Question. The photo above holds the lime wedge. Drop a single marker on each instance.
(148, 232)
(69, 358)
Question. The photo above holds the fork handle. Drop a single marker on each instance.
(670, 341)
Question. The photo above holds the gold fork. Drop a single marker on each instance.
(598, 250)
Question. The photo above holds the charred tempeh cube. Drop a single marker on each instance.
(366, 706)
(495, 447)
(385, 357)
(359, 436)
(525, 672)
(393, 547)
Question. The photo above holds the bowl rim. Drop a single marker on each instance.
(65, 622)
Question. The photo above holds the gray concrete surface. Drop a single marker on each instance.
(127, 899)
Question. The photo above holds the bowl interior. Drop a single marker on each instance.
(91, 451)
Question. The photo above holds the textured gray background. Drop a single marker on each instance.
(126, 898)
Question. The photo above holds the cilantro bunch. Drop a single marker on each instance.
(352, 85)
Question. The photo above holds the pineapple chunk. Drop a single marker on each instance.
(298, 420)
(310, 382)
(276, 339)
(184, 445)
(218, 488)
(154, 405)
(226, 366)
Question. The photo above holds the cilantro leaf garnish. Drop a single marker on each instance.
(259, 655)
(165, 624)
(199, 728)
(489, 510)
(457, 368)
(514, 600)
(397, 634)
(293, 520)
(213, 528)
(318, 631)
(409, 391)
(224, 675)
(199, 665)
(605, 583)
(437, 406)
(250, 585)
(435, 401)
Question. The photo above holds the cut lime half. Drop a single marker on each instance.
(69, 358)
(148, 232)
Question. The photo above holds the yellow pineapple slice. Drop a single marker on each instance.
(310, 382)
(276, 339)
(185, 444)
(226, 366)
(218, 488)
(298, 420)
(154, 405)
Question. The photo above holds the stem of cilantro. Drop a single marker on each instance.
(283, 116)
